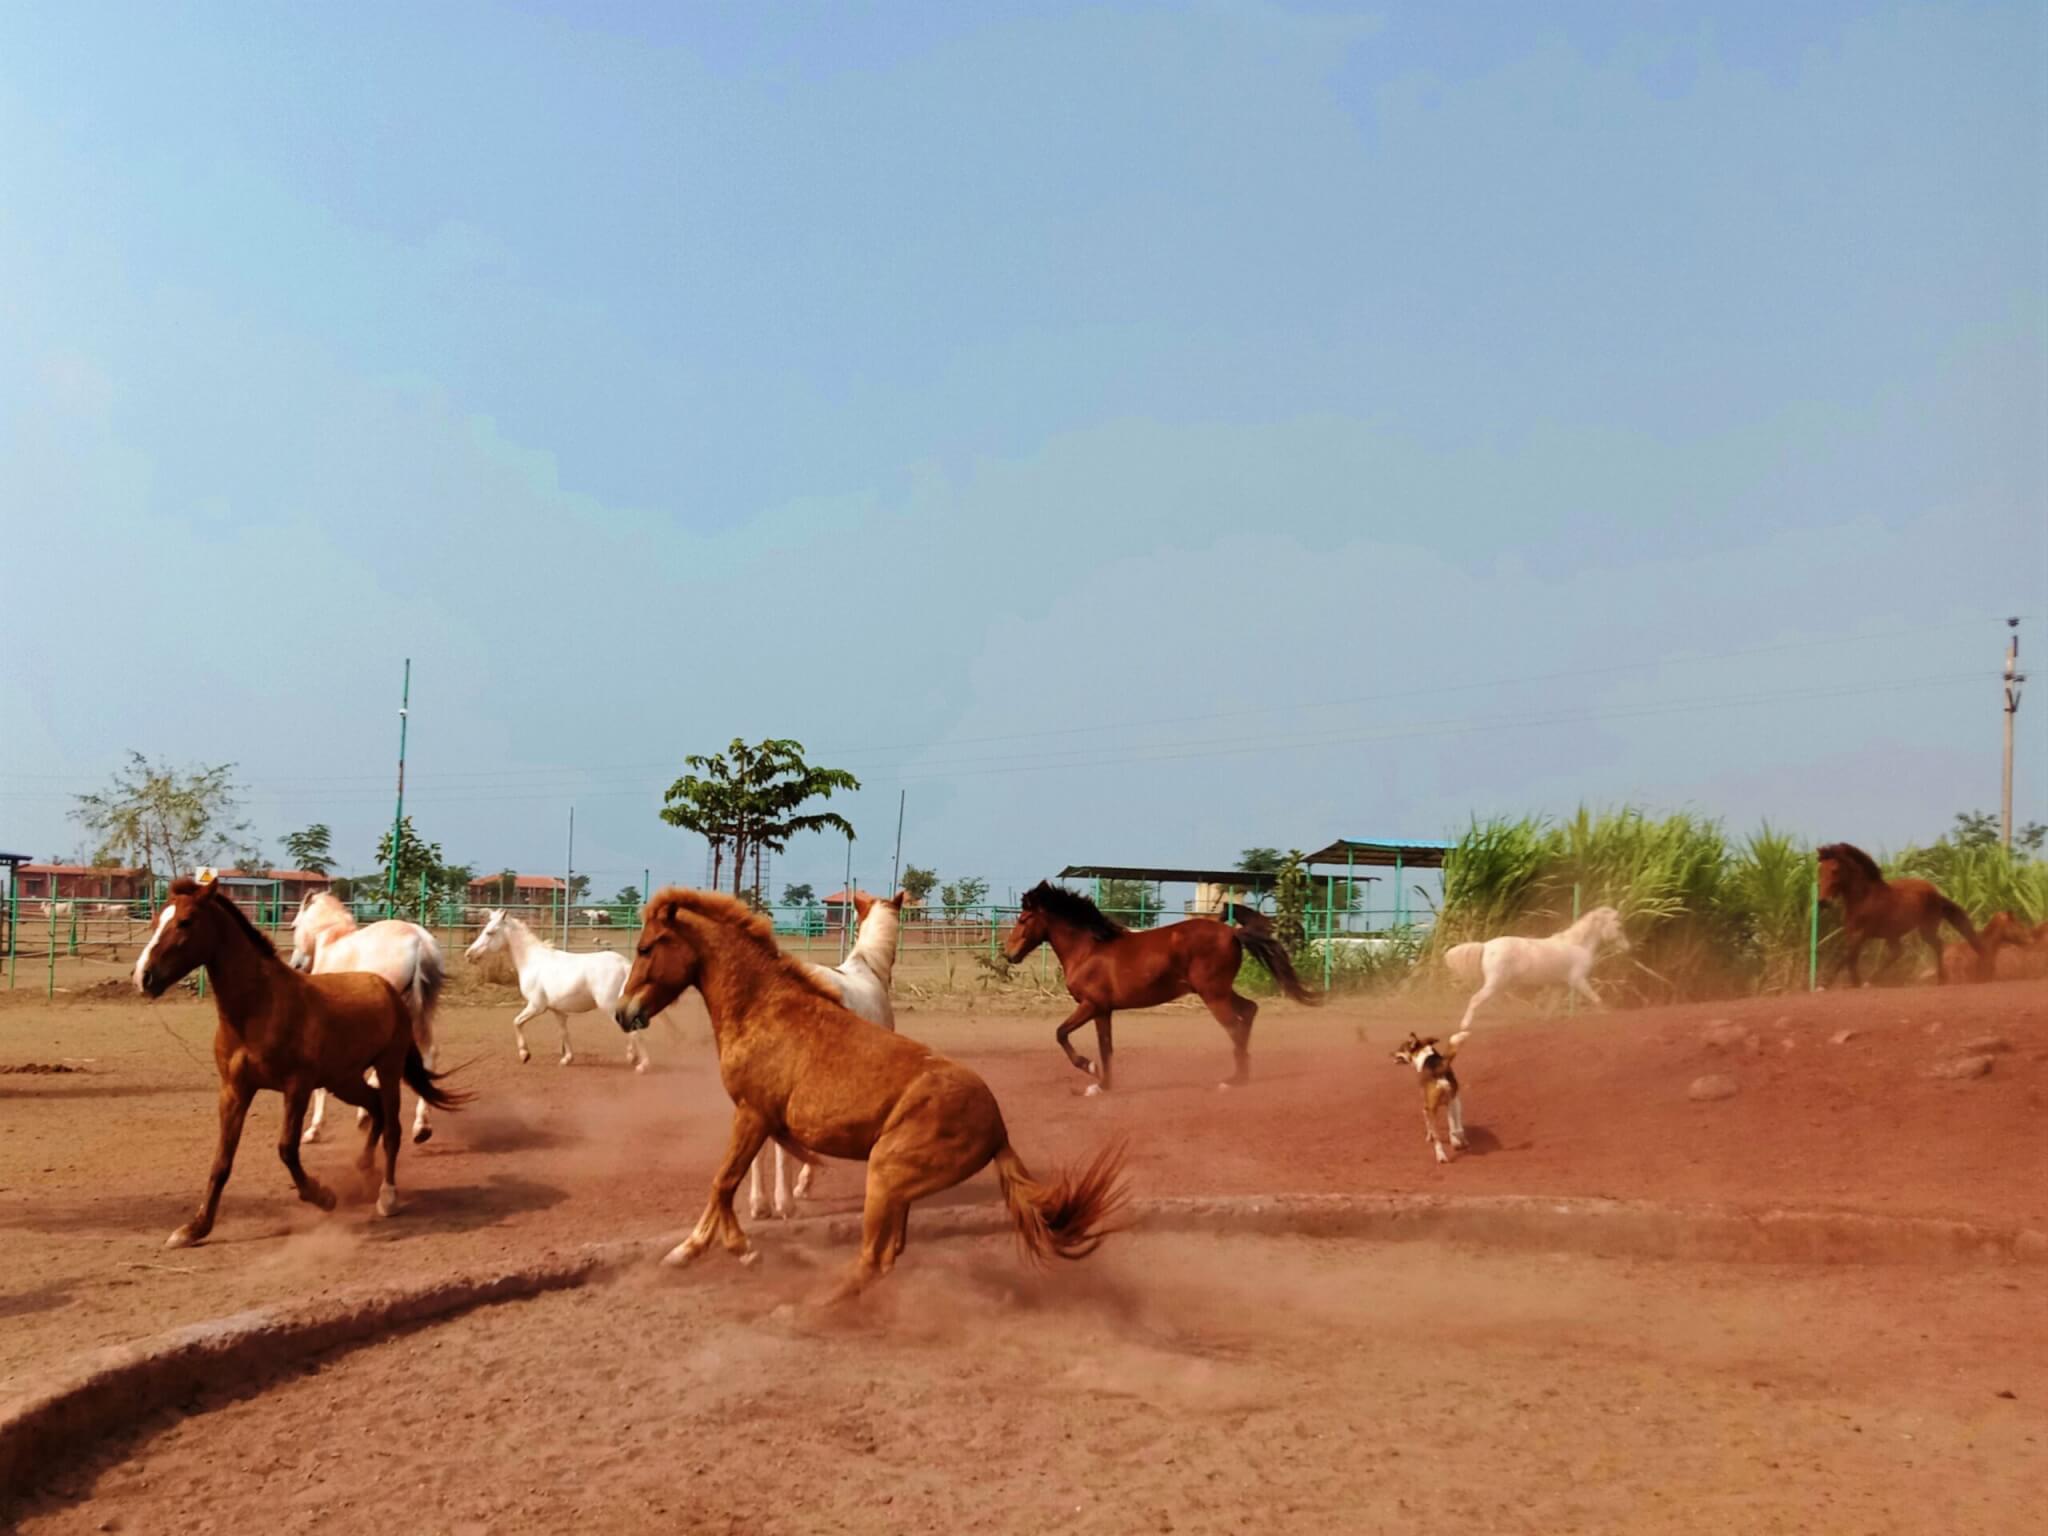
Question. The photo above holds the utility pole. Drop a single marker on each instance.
(398, 816)
(2013, 678)
(896, 865)
(569, 878)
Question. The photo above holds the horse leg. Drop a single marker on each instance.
(310, 1189)
(1235, 1014)
(1851, 952)
(749, 1135)
(757, 1202)
(1105, 1048)
(1457, 1119)
(1582, 984)
(520, 1020)
(1074, 1021)
(387, 1197)
(785, 1207)
(1485, 994)
(421, 1131)
(1932, 934)
(567, 1054)
(1893, 948)
(319, 1113)
(234, 1108)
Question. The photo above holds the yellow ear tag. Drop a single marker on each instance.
(205, 876)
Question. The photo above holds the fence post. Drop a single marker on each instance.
(51, 906)
(1813, 936)
(13, 920)
(1329, 944)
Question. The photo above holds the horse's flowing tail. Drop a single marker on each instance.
(1272, 954)
(428, 1084)
(428, 975)
(1065, 1220)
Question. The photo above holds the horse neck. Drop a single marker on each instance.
(244, 976)
(732, 980)
(1069, 941)
(1580, 934)
(519, 939)
(876, 947)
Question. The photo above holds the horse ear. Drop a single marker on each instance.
(898, 899)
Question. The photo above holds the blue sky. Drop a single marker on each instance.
(1137, 431)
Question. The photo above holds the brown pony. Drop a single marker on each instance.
(1876, 908)
(1108, 967)
(818, 1080)
(291, 1033)
(2010, 950)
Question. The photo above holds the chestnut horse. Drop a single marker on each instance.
(1108, 967)
(819, 1081)
(1876, 908)
(287, 1032)
(2010, 949)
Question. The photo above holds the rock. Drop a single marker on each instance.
(1713, 1086)
(1843, 1036)
(1788, 1043)
(1986, 1045)
(1723, 1035)
(1964, 1066)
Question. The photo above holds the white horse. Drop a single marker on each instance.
(325, 939)
(1564, 958)
(861, 983)
(555, 981)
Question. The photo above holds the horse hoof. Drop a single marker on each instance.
(524, 1055)
(758, 1211)
(750, 1258)
(422, 1134)
(640, 1065)
(182, 1238)
(1093, 1090)
(681, 1254)
(323, 1197)
(312, 1134)
(387, 1201)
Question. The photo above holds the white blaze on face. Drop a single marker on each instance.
(142, 960)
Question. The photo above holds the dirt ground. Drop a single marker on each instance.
(99, 1163)
(1177, 1383)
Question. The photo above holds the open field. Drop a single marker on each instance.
(1232, 1357)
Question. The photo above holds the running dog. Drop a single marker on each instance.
(1432, 1063)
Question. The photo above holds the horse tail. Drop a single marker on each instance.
(1959, 920)
(1272, 954)
(428, 977)
(428, 1084)
(1065, 1220)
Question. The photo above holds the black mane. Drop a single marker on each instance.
(1854, 857)
(1071, 907)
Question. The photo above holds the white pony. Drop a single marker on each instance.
(861, 983)
(325, 939)
(1565, 958)
(555, 981)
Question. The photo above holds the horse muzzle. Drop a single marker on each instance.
(628, 1015)
(149, 986)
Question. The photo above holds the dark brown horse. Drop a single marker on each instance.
(818, 1080)
(1876, 908)
(289, 1033)
(1108, 967)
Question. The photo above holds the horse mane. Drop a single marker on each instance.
(1071, 907)
(1854, 857)
(1585, 920)
(730, 913)
(182, 886)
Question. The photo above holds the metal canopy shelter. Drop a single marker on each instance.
(1399, 856)
(1236, 877)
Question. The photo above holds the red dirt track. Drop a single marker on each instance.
(97, 1166)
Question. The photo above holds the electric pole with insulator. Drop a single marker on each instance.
(2013, 678)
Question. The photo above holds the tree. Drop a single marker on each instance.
(417, 859)
(579, 886)
(629, 896)
(798, 895)
(1979, 829)
(749, 797)
(1130, 902)
(1259, 861)
(502, 888)
(962, 896)
(1290, 902)
(918, 884)
(165, 821)
(311, 849)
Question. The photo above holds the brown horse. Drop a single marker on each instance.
(1876, 908)
(291, 1033)
(817, 1080)
(1108, 967)
(2010, 949)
